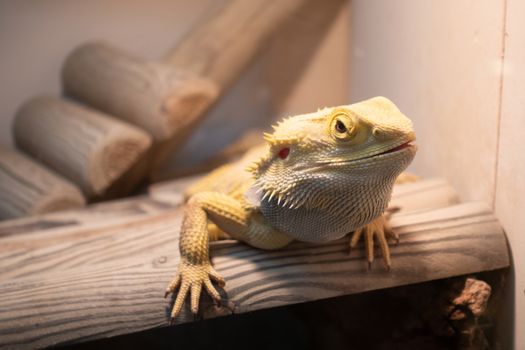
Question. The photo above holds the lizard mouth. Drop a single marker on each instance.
(397, 148)
(394, 150)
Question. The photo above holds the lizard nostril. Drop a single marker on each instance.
(378, 134)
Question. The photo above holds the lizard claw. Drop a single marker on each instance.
(190, 279)
(381, 230)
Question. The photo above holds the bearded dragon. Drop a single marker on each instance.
(319, 177)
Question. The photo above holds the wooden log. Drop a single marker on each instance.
(27, 188)
(88, 147)
(154, 96)
(223, 44)
(86, 282)
(168, 99)
(162, 100)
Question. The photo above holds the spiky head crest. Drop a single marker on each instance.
(332, 140)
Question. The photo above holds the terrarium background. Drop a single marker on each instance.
(457, 68)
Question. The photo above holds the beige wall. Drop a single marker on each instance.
(510, 190)
(441, 62)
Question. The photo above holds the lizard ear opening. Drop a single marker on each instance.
(284, 152)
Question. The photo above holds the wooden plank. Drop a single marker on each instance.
(100, 282)
(99, 297)
(54, 242)
(96, 215)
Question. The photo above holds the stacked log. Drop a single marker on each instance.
(28, 188)
(169, 98)
(158, 103)
(153, 96)
(163, 100)
(86, 146)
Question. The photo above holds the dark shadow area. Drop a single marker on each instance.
(410, 317)
(506, 314)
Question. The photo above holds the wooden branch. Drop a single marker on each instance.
(223, 44)
(88, 281)
(27, 188)
(88, 147)
(159, 99)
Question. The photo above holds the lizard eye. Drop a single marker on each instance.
(342, 126)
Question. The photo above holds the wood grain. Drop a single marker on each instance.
(28, 188)
(100, 281)
(88, 147)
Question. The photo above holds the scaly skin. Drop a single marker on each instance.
(319, 177)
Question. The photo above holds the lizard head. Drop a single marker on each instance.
(310, 157)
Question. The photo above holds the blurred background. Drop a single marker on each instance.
(456, 68)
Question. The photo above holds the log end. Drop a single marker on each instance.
(116, 159)
(28, 188)
(185, 104)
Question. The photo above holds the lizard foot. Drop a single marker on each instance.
(191, 278)
(382, 230)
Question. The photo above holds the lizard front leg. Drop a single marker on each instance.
(195, 270)
(380, 228)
